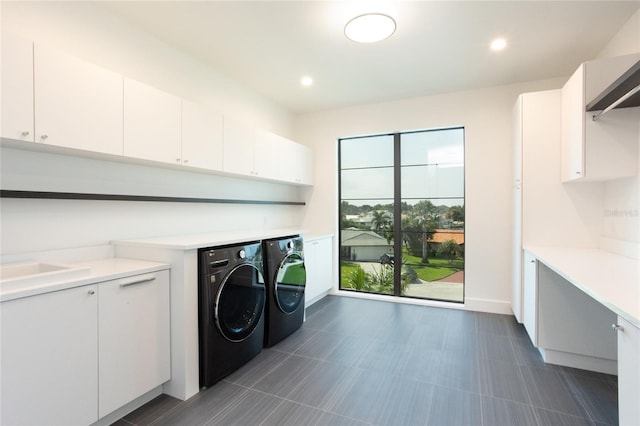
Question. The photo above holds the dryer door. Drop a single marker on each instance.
(240, 302)
(290, 281)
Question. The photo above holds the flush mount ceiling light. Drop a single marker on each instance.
(370, 21)
(306, 81)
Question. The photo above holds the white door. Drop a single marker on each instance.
(239, 147)
(133, 338)
(50, 358)
(201, 137)
(16, 88)
(152, 120)
(77, 104)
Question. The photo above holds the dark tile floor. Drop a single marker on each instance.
(358, 361)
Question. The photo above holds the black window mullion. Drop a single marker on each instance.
(397, 216)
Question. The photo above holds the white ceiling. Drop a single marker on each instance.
(439, 46)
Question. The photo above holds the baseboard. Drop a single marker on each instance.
(583, 362)
(309, 302)
(490, 306)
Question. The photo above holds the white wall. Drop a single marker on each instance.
(622, 197)
(486, 117)
(87, 31)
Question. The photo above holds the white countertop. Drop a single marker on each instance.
(611, 279)
(99, 270)
(196, 241)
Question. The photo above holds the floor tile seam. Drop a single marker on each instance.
(568, 388)
(186, 404)
(342, 338)
(584, 404)
(524, 383)
(264, 373)
(169, 412)
(563, 413)
(237, 401)
(272, 411)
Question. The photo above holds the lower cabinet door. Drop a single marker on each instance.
(628, 373)
(133, 338)
(50, 358)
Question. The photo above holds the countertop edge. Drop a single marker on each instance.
(210, 239)
(552, 257)
(101, 270)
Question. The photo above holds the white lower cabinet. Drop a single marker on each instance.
(50, 358)
(530, 296)
(73, 356)
(133, 330)
(318, 264)
(628, 374)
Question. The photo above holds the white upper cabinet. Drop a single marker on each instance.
(77, 104)
(201, 137)
(152, 123)
(604, 149)
(16, 88)
(296, 163)
(54, 99)
(267, 161)
(239, 141)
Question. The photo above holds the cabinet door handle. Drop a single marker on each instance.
(137, 281)
(92, 292)
(25, 133)
(617, 327)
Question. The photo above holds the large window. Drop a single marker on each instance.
(402, 214)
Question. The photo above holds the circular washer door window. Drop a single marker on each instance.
(240, 302)
(290, 282)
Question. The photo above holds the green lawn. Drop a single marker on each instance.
(435, 270)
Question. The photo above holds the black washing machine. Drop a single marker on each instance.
(231, 302)
(286, 279)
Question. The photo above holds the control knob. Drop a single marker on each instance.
(242, 254)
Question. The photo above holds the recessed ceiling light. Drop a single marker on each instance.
(498, 44)
(306, 81)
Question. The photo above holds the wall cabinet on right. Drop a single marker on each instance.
(604, 149)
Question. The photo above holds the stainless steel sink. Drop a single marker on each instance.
(16, 275)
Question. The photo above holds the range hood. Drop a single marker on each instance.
(622, 93)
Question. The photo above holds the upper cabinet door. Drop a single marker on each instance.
(267, 154)
(77, 104)
(604, 149)
(573, 120)
(201, 137)
(16, 88)
(152, 123)
(296, 163)
(239, 147)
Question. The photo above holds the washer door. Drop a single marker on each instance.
(240, 302)
(290, 281)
